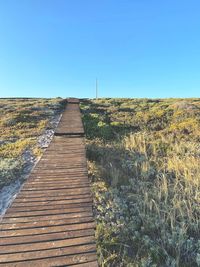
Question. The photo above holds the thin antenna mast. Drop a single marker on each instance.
(96, 88)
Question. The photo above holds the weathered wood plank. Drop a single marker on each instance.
(58, 206)
(10, 226)
(60, 251)
(21, 200)
(73, 213)
(51, 204)
(48, 229)
(69, 260)
(45, 237)
(45, 245)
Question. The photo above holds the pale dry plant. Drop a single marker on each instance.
(172, 197)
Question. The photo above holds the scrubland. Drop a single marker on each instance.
(144, 165)
(22, 122)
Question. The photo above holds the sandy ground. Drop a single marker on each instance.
(8, 193)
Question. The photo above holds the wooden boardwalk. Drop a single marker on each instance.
(50, 223)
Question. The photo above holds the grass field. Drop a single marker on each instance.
(144, 164)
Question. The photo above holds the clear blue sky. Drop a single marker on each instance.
(136, 48)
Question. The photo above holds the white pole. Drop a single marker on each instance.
(96, 88)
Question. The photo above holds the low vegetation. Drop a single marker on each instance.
(144, 165)
(22, 122)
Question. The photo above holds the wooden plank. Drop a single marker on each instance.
(36, 224)
(70, 260)
(45, 237)
(50, 202)
(64, 182)
(60, 171)
(48, 229)
(47, 186)
(43, 207)
(57, 187)
(46, 245)
(48, 217)
(63, 251)
(54, 178)
(49, 199)
(28, 214)
(73, 100)
(56, 192)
